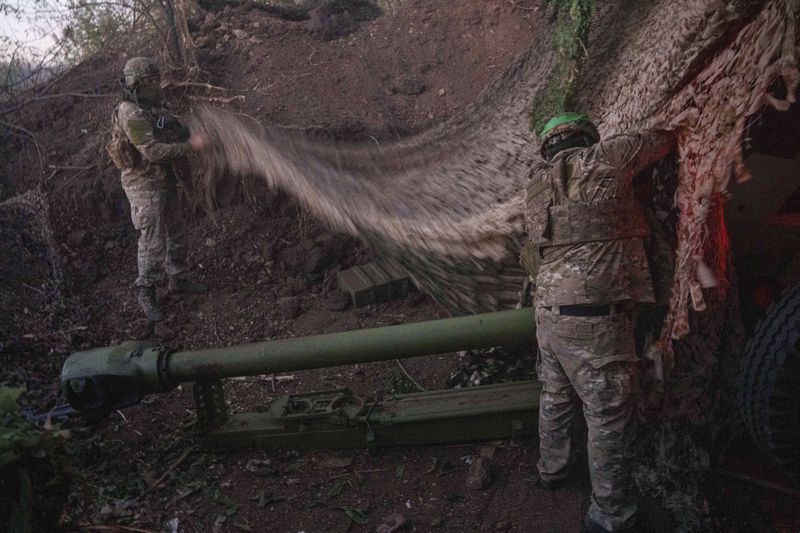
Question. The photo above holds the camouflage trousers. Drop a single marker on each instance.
(156, 214)
(590, 361)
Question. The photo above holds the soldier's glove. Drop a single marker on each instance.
(170, 129)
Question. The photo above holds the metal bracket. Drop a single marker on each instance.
(209, 401)
(339, 419)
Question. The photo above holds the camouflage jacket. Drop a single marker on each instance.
(159, 140)
(582, 216)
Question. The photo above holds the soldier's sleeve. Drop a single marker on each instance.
(633, 152)
(140, 132)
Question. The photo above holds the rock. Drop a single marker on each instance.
(210, 242)
(325, 24)
(289, 307)
(488, 451)
(442, 92)
(336, 462)
(251, 257)
(479, 477)
(306, 257)
(332, 244)
(297, 285)
(410, 87)
(293, 257)
(77, 238)
(392, 523)
(337, 301)
(316, 260)
(240, 34)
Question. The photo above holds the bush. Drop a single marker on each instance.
(34, 472)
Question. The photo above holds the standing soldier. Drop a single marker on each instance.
(146, 141)
(586, 230)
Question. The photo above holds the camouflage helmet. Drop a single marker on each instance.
(567, 123)
(139, 68)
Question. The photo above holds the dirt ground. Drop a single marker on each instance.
(271, 271)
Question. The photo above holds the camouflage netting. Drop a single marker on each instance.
(31, 270)
(447, 203)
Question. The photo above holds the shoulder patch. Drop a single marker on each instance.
(139, 130)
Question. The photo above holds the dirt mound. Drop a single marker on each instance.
(387, 77)
(269, 265)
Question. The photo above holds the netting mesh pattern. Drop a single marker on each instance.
(31, 269)
(447, 204)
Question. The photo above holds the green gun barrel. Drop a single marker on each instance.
(503, 328)
(114, 377)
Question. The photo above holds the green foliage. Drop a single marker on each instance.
(92, 25)
(573, 19)
(399, 384)
(33, 470)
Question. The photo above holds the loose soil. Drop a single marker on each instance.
(271, 271)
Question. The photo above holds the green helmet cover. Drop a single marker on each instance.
(564, 118)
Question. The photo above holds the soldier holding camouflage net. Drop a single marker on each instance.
(587, 256)
(146, 142)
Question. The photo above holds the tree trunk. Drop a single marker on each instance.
(180, 46)
(173, 45)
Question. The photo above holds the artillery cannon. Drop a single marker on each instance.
(103, 379)
(765, 237)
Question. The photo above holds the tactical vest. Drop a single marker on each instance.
(166, 128)
(122, 153)
(553, 219)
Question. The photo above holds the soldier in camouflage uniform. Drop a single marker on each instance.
(146, 142)
(586, 232)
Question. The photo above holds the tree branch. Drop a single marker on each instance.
(32, 137)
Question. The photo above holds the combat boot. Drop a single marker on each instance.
(548, 484)
(185, 286)
(590, 526)
(147, 301)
